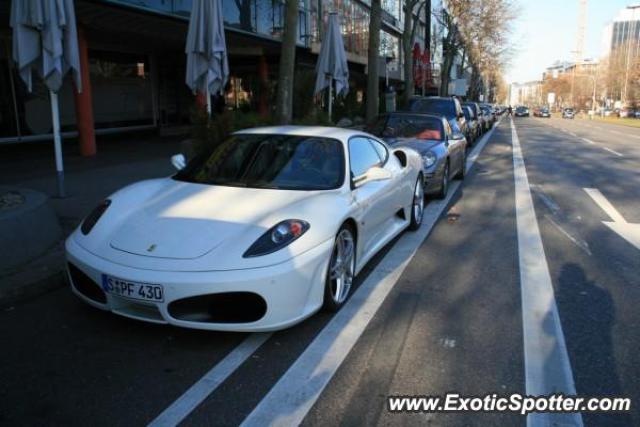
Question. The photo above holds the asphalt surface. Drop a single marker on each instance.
(452, 322)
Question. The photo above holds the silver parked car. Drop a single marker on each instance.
(443, 149)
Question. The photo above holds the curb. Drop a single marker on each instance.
(12, 296)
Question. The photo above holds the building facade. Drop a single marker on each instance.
(528, 94)
(136, 61)
(621, 47)
(623, 32)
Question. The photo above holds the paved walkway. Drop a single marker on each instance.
(121, 160)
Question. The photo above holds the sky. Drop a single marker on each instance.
(546, 31)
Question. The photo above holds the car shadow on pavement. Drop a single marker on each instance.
(589, 341)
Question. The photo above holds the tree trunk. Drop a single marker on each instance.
(284, 100)
(407, 51)
(474, 84)
(450, 54)
(373, 81)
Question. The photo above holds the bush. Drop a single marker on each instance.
(207, 132)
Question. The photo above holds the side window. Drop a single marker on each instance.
(362, 156)
(381, 149)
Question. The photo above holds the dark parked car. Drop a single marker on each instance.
(490, 109)
(479, 116)
(544, 112)
(472, 125)
(522, 112)
(442, 149)
(448, 107)
(488, 117)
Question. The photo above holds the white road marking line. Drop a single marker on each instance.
(198, 392)
(578, 242)
(604, 204)
(572, 133)
(628, 231)
(547, 365)
(612, 151)
(624, 134)
(588, 141)
(291, 398)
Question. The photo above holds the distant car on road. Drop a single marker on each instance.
(568, 113)
(443, 150)
(522, 112)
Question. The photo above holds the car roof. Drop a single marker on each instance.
(319, 131)
(411, 113)
(443, 98)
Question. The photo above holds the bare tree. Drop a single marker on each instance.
(284, 100)
(373, 83)
(481, 30)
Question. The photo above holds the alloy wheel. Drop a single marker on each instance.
(341, 269)
(418, 201)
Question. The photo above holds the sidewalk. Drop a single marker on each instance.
(120, 161)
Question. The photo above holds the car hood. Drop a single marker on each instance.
(420, 145)
(173, 225)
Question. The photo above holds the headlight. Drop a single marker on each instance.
(429, 159)
(277, 237)
(91, 219)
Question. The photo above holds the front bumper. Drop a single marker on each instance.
(433, 178)
(292, 290)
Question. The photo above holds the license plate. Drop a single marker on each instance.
(132, 290)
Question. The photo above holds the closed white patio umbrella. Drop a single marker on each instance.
(332, 62)
(45, 41)
(206, 49)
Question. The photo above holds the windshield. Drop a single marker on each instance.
(288, 162)
(407, 126)
(471, 106)
(441, 107)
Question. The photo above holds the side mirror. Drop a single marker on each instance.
(178, 161)
(375, 173)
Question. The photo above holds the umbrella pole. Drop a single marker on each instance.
(330, 100)
(57, 143)
(208, 95)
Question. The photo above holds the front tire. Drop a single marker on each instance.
(417, 205)
(341, 270)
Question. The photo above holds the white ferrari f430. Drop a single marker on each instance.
(253, 234)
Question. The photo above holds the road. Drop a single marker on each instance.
(524, 280)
